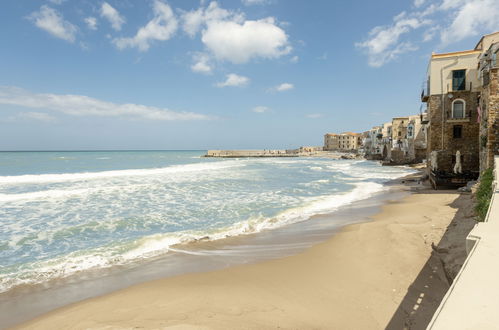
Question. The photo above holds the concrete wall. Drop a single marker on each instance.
(472, 301)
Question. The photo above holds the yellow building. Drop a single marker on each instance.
(347, 141)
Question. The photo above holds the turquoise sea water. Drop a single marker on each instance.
(66, 212)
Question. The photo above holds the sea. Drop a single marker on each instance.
(63, 213)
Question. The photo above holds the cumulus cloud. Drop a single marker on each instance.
(80, 105)
(112, 15)
(282, 87)
(228, 36)
(91, 22)
(260, 109)
(450, 20)
(234, 80)
(471, 18)
(294, 59)
(201, 63)
(240, 42)
(51, 21)
(194, 20)
(162, 27)
(383, 44)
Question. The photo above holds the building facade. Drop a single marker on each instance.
(452, 95)
(489, 100)
(342, 142)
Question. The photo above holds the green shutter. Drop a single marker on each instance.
(458, 80)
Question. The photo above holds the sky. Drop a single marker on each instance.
(238, 74)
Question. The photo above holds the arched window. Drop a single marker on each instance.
(458, 108)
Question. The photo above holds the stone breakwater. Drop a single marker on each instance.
(279, 153)
(250, 153)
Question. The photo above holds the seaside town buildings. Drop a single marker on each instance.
(461, 105)
(458, 133)
(347, 141)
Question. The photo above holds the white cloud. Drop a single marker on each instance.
(254, 2)
(472, 18)
(162, 27)
(192, 21)
(282, 87)
(451, 20)
(239, 43)
(201, 63)
(419, 3)
(39, 116)
(233, 80)
(51, 20)
(315, 115)
(294, 59)
(91, 22)
(112, 15)
(80, 105)
(260, 109)
(383, 44)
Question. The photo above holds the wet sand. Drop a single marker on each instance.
(358, 279)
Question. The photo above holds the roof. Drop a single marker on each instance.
(485, 35)
(463, 52)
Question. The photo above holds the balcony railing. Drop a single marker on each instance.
(425, 91)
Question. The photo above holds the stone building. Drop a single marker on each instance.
(489, 99)
(416, 138)
(452, 94)
(399, 134)
(342, 142)
(331, 142)
(372, 143)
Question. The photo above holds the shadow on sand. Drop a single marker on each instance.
(430, 286)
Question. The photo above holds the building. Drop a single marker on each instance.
(488, 68)
(416, 138)
(451, 93)
(331, 142)
(372, 143)
(347, 141)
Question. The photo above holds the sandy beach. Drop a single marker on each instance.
(374, 275)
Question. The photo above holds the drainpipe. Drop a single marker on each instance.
(456, 60)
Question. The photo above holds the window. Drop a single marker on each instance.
(458, 109)
(458, 80)
(457, 131)
(409, 131)
(400, 133)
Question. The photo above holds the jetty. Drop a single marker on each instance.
(250, 153)
(300, 152)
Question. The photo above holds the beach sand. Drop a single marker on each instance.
(370, 275)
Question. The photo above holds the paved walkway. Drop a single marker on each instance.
(472, 301)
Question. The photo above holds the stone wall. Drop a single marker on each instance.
(441, 128)
(489, 128)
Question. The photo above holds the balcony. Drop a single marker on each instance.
(425, 92)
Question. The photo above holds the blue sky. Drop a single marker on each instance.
(157, 74)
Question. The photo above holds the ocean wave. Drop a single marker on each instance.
(159, 244)
(83, 176)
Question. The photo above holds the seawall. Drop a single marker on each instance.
(472, 300)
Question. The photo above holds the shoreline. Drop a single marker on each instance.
(26, 302)
(281, 284)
